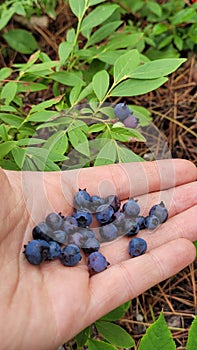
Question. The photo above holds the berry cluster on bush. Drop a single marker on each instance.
(65, 237)
(125, 115)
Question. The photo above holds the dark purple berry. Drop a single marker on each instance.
(104, 214)
(84, 218)
(70, 255)
(137, 246)
(131, 227)
(54, 251)
(82, 199)
(160, 211)
(42, 231)
(122, 111)
(131, 122)
(69, 224)
(140, 221)
(60, 236)
(151, 222)
(108, 232)
(97, 262)
(131, 208)
(54, 221)
(36, 251)
(76, 238)
(114, 201)
(95, 202)
(91, 245)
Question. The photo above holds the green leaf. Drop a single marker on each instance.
(125, 65)
(192, 338)
(100, 83)
(117, 313)
(157, 68)
(114, 334)
(125, 155)
(103, 32)
(11, 119)
(124, 134)
(97, 16)
(178, 41)
(142, 114)
(46, 104)
(165, 42)
(185, 15)
(99, 345)
(19, 156)
(4, 132)
(94, 2)
(107, 154)
(43, 116)
(30, 141)
(6, 16)
(158, 333)
(85, 92)
(6, 147)
(66, 78)
(74, 94)
(82, 337)
(64, 51)
(96, 127)
(79, 141)
(9, 91)
(134, 87)
(5, 73)
(195, 244)
(37, 158)
(21, 40)
(160, 28)
(57, 143)
(31, 87)
(77, 7)
(154, 8)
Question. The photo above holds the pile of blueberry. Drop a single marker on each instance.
(125, 115)
(64, 237)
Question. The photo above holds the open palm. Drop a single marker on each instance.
(44, 306)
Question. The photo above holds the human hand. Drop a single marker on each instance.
(44, 306)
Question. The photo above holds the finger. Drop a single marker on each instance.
(126, 280)
(131, 179)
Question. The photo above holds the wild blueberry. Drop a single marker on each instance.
(42, 231)
(95, 202)
(122, 111)
(36, 251)
(137, 246)
(104, 214)
(131, 227)
(54, 221)
(151, 222)
(81, 199)
(131, 122)
(140, 221)
(86, 232)
(69, 224)
(119, 218)
(60, 236)
(97, 262)
(70, 255)
(76, 238)
(131, 208)
(160, 211)
(114, 201)
(91, 245)
(54, 250)
(84, 218)
(108, 232)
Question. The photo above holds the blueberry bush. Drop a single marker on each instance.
(113, 51)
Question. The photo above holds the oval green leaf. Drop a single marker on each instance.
(134, 87)
(21, 40)
(100, 83)
(114, 334)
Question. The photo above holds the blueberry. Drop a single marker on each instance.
(54, 221)
(95, 202)
(54, 250)
(119, 218)
(122, 111)
(131, 227)
(76, 238)
(131, 208)
(131, 122)
(108, 232)
(97, 262)
(42, 231)
(82, 199)
(86, 232)
(151, 222)
(84, 218)
(104, 214)
(140, 221)
(91, 245)
(36, 251)
(160, 211)
(70, 255)
(137, 246)
(69, 224)
(60, 236)
(114, 201)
